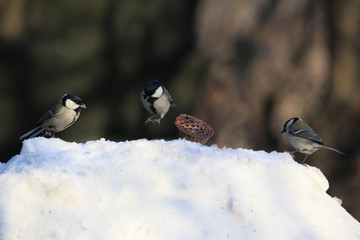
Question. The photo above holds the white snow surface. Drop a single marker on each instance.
(164, 190)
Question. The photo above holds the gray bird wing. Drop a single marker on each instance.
(172, 104)
(146, 104)
(49, 114)
(305, 131)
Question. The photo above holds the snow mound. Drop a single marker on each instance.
(164, 190)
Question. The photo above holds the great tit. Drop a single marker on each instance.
(61, 116)
(156, 100)
(303, 138)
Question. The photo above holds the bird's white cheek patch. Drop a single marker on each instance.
(158, 92)
(289, 123)
(71, 104)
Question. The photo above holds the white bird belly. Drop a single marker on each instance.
(303, 145)
(162, 105)
(62, 120)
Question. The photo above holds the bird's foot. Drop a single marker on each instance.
(292, 154)
(153, 119)
(49, 134)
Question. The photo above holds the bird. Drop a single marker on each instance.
(303, 138)
(156, 100)
(61, 116)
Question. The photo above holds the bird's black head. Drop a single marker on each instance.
(289, 122)
(151, 87)
(68, 99)
(73, 98)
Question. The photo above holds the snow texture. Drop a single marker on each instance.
(164, 190)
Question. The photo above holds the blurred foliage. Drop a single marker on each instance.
(245, 67)
(103, 51)
(275, 60)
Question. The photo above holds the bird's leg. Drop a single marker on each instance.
(157, 120)
(303, 161)
(292, 153)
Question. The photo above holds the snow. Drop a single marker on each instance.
(164, 190)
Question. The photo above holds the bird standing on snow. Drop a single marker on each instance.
(301, 137)
(156, 100)
(58, 118)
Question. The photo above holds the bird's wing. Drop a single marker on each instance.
(147, 104)
(172, 104)
(305, 131)
(52, 112)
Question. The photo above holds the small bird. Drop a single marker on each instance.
(58, 118)
(156, 100)
(303, 138)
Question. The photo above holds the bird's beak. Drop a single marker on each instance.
(83, 106)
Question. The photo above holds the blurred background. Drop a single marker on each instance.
(244, 67)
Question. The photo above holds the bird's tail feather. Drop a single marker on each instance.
(34, 133)
(331, 148)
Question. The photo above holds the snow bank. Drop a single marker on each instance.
(166, 190)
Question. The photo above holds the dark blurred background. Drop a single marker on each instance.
(245, 67)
